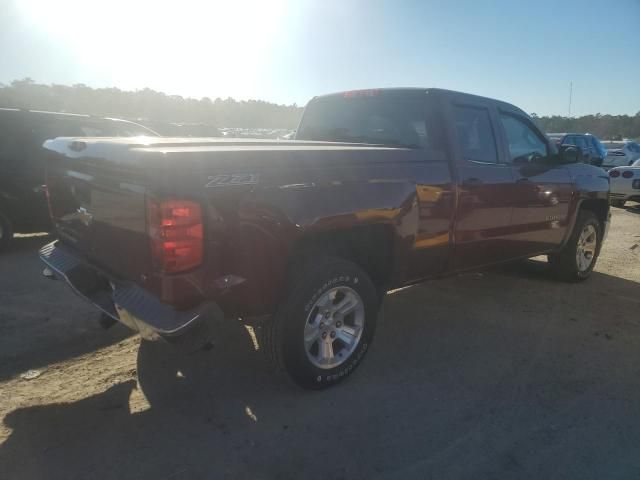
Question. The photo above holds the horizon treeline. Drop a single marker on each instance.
(152, 106)
(148, 105)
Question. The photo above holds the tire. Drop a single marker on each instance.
(296, 339)
(618, 203)
(572, 263)
(6, 232)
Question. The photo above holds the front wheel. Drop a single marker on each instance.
(576, 260)
(325, 325)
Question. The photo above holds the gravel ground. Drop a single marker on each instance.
(504, 373)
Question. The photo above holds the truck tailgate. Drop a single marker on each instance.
(99, 209)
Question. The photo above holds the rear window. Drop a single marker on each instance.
(406, 119)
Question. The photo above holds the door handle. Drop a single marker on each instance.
(471, 182)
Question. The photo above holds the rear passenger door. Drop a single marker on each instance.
(484, 184)
(542, 191)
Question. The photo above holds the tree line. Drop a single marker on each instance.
(152, 107)
(605, 127)
(148, 106)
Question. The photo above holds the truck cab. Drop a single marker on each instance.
(504, 190)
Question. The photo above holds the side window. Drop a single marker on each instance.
(569, 141)
(475, 134)
(582, 143)
(525, 143)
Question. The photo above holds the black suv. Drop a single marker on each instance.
(592, 149)
(23, 206)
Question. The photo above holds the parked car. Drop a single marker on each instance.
(621, 154)
(303, 238)
(625, 184)
(23, 206)
(592, 149)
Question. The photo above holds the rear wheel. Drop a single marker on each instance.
(325, 325)
(6, 232)
(575, 262)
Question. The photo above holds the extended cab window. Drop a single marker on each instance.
(475, 134)
(404, 119)
(582, 143)
(524, 142)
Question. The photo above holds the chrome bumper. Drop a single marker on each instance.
(125, 301)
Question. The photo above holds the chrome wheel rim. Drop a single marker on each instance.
(334, 327)
(586, 251)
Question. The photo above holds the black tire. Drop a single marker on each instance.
(6, 232)
(283, 335)
(564, 264)
(618, 203)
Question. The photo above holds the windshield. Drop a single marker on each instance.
(389, 118)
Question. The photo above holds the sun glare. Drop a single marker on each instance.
(191, 43)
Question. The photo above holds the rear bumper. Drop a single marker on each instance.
(125, 301)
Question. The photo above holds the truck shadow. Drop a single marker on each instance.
(488, 375)
(41, 322)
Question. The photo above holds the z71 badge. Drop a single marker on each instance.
(232, 179)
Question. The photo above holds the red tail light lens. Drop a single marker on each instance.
(627, 174)
(175, 229)
(614, 173)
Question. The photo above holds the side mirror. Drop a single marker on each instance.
(570, 154)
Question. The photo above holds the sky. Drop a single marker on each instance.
(286, 51)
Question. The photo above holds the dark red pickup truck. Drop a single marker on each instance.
(304, 237)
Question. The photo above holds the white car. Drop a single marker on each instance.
(624, 184)
(621, 154)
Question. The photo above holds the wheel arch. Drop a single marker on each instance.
(600, 207)
(371, 247)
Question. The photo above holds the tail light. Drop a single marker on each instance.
(627, 174)
(614, 173)
(175, 230)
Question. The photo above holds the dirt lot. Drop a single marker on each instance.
(500, 374)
